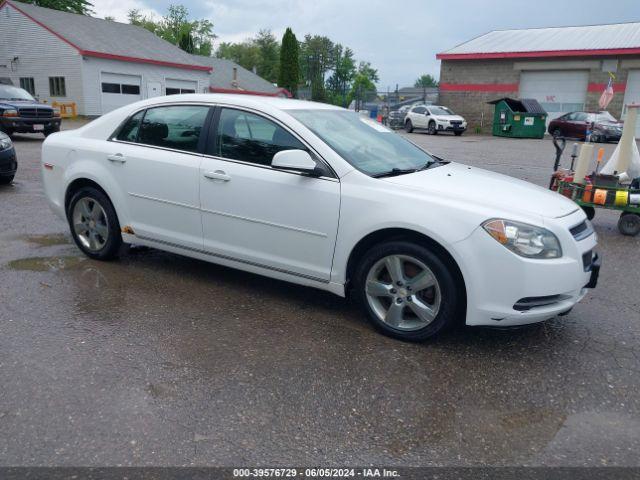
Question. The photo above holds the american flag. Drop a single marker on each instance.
(607, 95)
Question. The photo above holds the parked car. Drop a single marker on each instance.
(396, 117)
(434, 118)
(320, 196)
(8, 162)
(604, 126)
(21, 113)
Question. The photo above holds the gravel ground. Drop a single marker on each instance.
(162, 360)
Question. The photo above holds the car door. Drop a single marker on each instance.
(420, 118)
(259, 215)
(156, 158)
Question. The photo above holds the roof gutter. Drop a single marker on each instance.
(539, 54)
(281, 91)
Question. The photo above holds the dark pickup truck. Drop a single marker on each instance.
(21, 113)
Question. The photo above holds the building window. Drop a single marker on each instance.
(57, 87)
(110, 87)
(28, 84)
(120, 88)
(131, 89)
(177, 91)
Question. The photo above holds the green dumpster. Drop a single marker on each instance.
(524, 118)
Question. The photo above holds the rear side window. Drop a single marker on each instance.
(178, 127)
(129, 131)
(419, 110)
(251, 138)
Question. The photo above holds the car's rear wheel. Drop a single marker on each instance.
(94, 224)
(408, 126)
(629, 224)
(557, 133)
(432, 128)
(457, 134)
(6, 180)
(407, 291)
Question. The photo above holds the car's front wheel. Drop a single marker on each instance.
(408, 291)
(94, 224)
(6, 180)
(432, 128)
(49, 131)
(408, 126)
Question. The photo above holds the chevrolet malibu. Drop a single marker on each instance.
(320, 196)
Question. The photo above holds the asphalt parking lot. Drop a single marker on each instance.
(158, 359)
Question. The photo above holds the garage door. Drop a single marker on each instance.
(175, 86)
(558, 92)
(632, 94)
(119, 90)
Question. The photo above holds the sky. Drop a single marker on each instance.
(399, 38)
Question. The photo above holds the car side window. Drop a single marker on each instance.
(419, 110)
(581, 117)
(251, 138)
(129, 131)
(175, 126)
(570, 116)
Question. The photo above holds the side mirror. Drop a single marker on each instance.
(296, 160)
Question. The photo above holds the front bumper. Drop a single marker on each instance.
(446, 127)
(8, 162)
(30, 125)
(504, 289)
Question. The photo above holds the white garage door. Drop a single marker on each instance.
(174, 86)
(119, 90)
(632, 94)
(558, 92)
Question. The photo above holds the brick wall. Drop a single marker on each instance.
(502, 79)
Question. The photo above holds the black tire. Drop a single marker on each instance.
(408, 126)
(432, 128)
(451, 289)
(629, 224)
(457, 134)
(589, 211)
(557, 133)
(50, 131)
(113, 243)
(6, 180)
(595, 138)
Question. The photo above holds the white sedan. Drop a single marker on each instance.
(319, 196)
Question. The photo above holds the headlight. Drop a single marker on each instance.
(524, 240)
(5, 142)
(56, 112)
(10, 112)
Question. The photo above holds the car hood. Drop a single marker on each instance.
(485, 188)
(23, 103)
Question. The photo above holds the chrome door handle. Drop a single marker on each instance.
(117, 158)
(217, 175)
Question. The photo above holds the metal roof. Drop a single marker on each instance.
(615, 39)
(222, 77)
(108, 39)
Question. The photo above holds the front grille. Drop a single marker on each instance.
(35, 112)
(582, 230)
(528, 303)
(455, 122)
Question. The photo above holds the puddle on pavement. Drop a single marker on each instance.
(45, 264)
(47, 240)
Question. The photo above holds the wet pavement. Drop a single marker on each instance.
(158, 359)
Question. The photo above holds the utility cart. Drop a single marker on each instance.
(598, 192)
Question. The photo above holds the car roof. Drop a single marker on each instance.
(244, 100)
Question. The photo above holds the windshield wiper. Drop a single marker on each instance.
(394, 172)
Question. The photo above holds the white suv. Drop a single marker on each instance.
(434, 118)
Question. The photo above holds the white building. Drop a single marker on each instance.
(98, 64)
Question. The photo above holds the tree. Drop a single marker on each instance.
(289, 74)
(425, 81)
(344, 71)
(192, 36)
(83, 7)
(316, 58)
(366, 70)
(261, 52)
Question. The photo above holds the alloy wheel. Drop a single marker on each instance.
(403, 292)
(90, 224)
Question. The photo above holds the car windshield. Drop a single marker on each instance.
(440, 111)
(604, 117)
(9, 92)
(364, 143)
